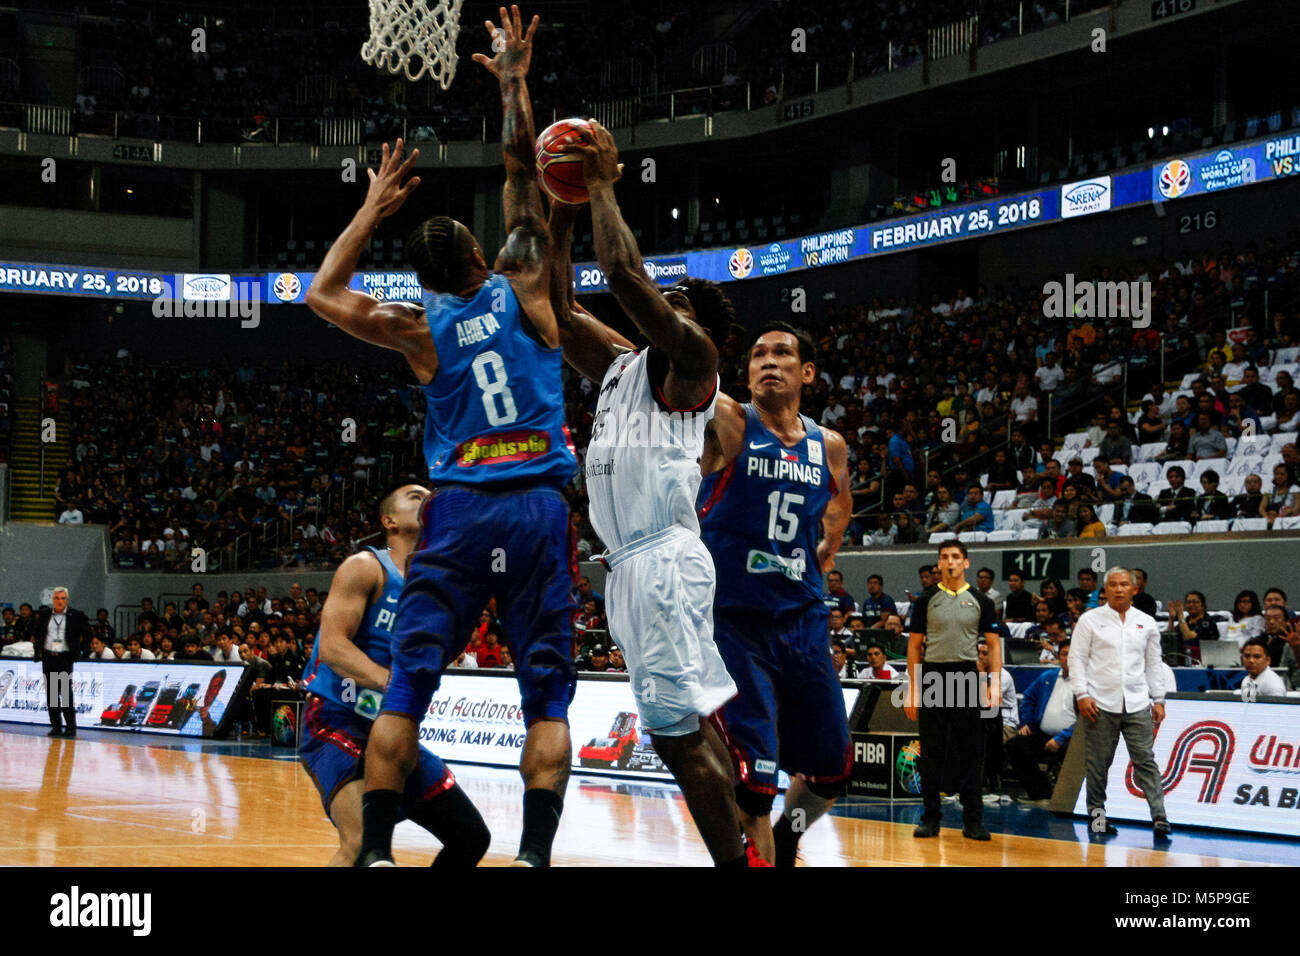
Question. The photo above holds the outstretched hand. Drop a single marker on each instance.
(387, 193)
(513, 48)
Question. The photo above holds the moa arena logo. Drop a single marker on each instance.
(741, 263)
(1175, 179)
(286, 287)
(1086, 197)
(206, 288)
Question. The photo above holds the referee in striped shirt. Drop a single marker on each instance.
(946, 694)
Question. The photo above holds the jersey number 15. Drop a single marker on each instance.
(781, 524)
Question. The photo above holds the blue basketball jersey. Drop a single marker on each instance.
(496, 405)
(373, 637)
(760, 517)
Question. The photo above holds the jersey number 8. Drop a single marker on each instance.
(494, 386)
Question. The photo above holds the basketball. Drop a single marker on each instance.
(559, 173)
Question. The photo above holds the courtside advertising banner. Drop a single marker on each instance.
(476, 718)
(1224, 764)
(169, 697)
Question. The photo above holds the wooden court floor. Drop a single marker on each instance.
(94, 801)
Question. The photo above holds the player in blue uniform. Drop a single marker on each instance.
(344, 680)
(486, 349)
(773, 480)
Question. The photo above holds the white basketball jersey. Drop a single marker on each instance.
(643, 463)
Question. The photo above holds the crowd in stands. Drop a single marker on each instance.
(305, 62)
(257, 68)
(275, 464)
(880, 34)
(945, 405)
(1034, 623)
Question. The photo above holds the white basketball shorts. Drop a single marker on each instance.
(659, 597)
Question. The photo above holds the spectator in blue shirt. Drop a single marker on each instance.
(901, 463)
(1087, 579)
(877, 603)
(1046, 725)
(836, 596)
(975, 515)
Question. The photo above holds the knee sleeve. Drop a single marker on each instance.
(753, 802)
(827, 791)
(454, 820)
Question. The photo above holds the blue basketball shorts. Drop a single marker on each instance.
(333, 752)
(475, 544)
(789, 713)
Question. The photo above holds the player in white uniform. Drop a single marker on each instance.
(642, 473)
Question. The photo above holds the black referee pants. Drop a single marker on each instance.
(952, 739)
(57, 669)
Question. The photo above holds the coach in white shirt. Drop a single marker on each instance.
(1118, 685)
(1259, 680)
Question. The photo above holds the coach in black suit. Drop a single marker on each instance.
(1134, 506)
(61, 632)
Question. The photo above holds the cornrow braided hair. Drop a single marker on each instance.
(433, 248)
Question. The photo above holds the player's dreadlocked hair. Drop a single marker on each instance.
(713, 310)
(436, 248)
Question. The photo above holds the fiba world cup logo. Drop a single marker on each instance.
(1175, 179)
(741, 263)
(907, 766)
(286, 286)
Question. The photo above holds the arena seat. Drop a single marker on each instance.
(1212, 526)
(1186, 464)
(1028, 534)
(1289, 523)
(1149, 451)
(1204, 465)
(1005, 535)
(1106, 514)
(1285, 356)
(939, 536)
(1136, 529)
(1002, 500)
(1250, 524)
(1284, 438)
(1019, 629)
(1257, 444)
(1172, 527)
(1144, 473)
(1074, 441)
(1088, 455)
(1232, 485)
(973, 537)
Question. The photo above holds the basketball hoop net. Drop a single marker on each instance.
(407, 36)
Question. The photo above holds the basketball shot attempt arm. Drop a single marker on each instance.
(399, 326)
(590, 346)
(692, 356)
